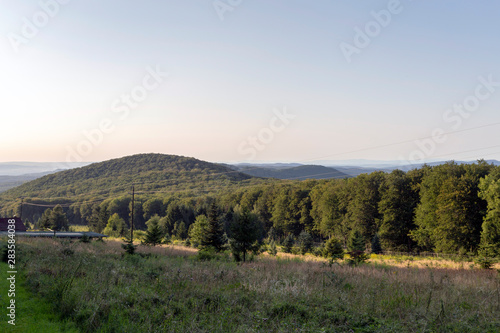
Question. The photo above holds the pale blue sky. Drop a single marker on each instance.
(228, 77)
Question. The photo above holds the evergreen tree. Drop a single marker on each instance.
(288, 244)
(215, 232)
(376, 247)
(273, 250)
(129, 246)
(245, 235)
(305, 242)
(333, 249)
(154, 234)
(198, 230)
(356, 242)
(180, 231)
(356, 247)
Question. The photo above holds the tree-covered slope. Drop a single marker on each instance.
(151, 171)
(294, 173)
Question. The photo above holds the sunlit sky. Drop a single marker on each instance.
(250, 80)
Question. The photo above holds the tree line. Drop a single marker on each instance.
(449, 208)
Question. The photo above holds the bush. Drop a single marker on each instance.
(305, 242)
(485, 262)
(85, 239)
(129, 246)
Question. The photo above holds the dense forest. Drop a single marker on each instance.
(449, 208)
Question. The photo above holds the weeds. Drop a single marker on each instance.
(167, 289)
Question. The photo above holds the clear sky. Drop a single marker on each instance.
(249, 80)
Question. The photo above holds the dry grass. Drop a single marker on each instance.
(168, 290)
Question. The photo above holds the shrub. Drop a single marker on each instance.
(485, 262)
(305, 242)
(129, 246)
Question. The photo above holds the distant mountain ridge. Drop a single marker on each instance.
(8, 182)
(300, 172)
(26, 168)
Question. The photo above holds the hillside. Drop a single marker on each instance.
(152, 172)
(293, 173)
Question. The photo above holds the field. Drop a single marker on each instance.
(168, 289)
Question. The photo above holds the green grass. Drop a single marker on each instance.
(167, 290)
(32, 313)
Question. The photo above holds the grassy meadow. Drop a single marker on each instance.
(168, 289)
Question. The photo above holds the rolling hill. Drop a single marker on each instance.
(150, 172)
(301, 172)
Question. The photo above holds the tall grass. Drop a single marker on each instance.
(165, 289)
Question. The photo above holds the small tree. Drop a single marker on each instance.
(198, 230)
(376, 247)
(154, 234)
(215, 231)
(129, 246)
(288, 244)
(245, 234)
(57, 219)
(356, 247)
(305, 242)
(116, 226)
(333, 250)
(273, 250)
(44, 220)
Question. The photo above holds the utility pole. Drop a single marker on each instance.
(132, 217)
(21, 211)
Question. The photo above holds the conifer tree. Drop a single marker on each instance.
(245, 234)
(154, 233)
(215, 231)
(305, 241)
(333, 249)
(376, 247)
(356, 247)
(288, 244)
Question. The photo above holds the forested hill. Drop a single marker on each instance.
(301, 172)
(151, 171)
